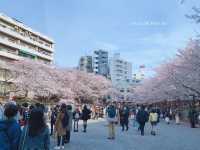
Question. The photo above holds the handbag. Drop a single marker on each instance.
(167, 119)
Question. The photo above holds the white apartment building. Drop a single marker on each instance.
(17, 41)
(121, 75)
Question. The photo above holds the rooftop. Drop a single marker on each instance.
(22, 25)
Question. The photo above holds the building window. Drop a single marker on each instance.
(26, 54)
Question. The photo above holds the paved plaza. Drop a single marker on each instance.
(170, 137)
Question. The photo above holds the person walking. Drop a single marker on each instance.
(192, 116)
(69, 126)
(85, 117)
(53, 119)
(167, 117)
(142, 118)
(120, 115)
(10, 130)
(35, 134)
(26, 113)
(133, 118)
(153, 119)
(76, 117)
(125, 118)
(61, 126)
(177, 117)
(112, 119)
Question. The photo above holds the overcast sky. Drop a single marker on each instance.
(144, 31)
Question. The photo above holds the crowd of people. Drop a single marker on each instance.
(26, 126)
(23, 127)
(63, 118)
(122, 114)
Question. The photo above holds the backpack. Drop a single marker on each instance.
(65, 120)
(111, 112)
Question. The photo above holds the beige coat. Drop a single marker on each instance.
(58, 125)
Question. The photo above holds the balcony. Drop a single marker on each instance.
(19, 47)
(23, 38)
(9, 55)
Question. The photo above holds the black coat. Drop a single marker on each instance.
(142, 116)
(86, 114)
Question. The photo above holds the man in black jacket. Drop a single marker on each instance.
(142, 118)
(85, 116)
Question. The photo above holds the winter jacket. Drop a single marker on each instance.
(53, 117)
(153, 117)
(125, 113)
(192, 114)
(86, 114)
(70, 115)
(142, 116)
(10, 133)
(39, 142)
(61, 131)
(76, 115)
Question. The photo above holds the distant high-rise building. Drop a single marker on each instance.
(121, 75)
(100, 63)
(85, 64)
(120, 70)
(139, 76)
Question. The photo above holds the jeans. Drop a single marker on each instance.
(141, 127)
(59, 140)
(76, 124)
(124, 124)
(67, 137)
(84, 125)
(52, 125)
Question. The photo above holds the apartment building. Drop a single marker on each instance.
(121, 75)
(85, 64)
(100, 63)
(17, 41)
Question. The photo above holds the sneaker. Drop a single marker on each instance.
(57, 147)
(62, 147)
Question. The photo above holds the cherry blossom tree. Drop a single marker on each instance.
(89, 87)
(176, 79)
(43, 80)
(47, 81)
